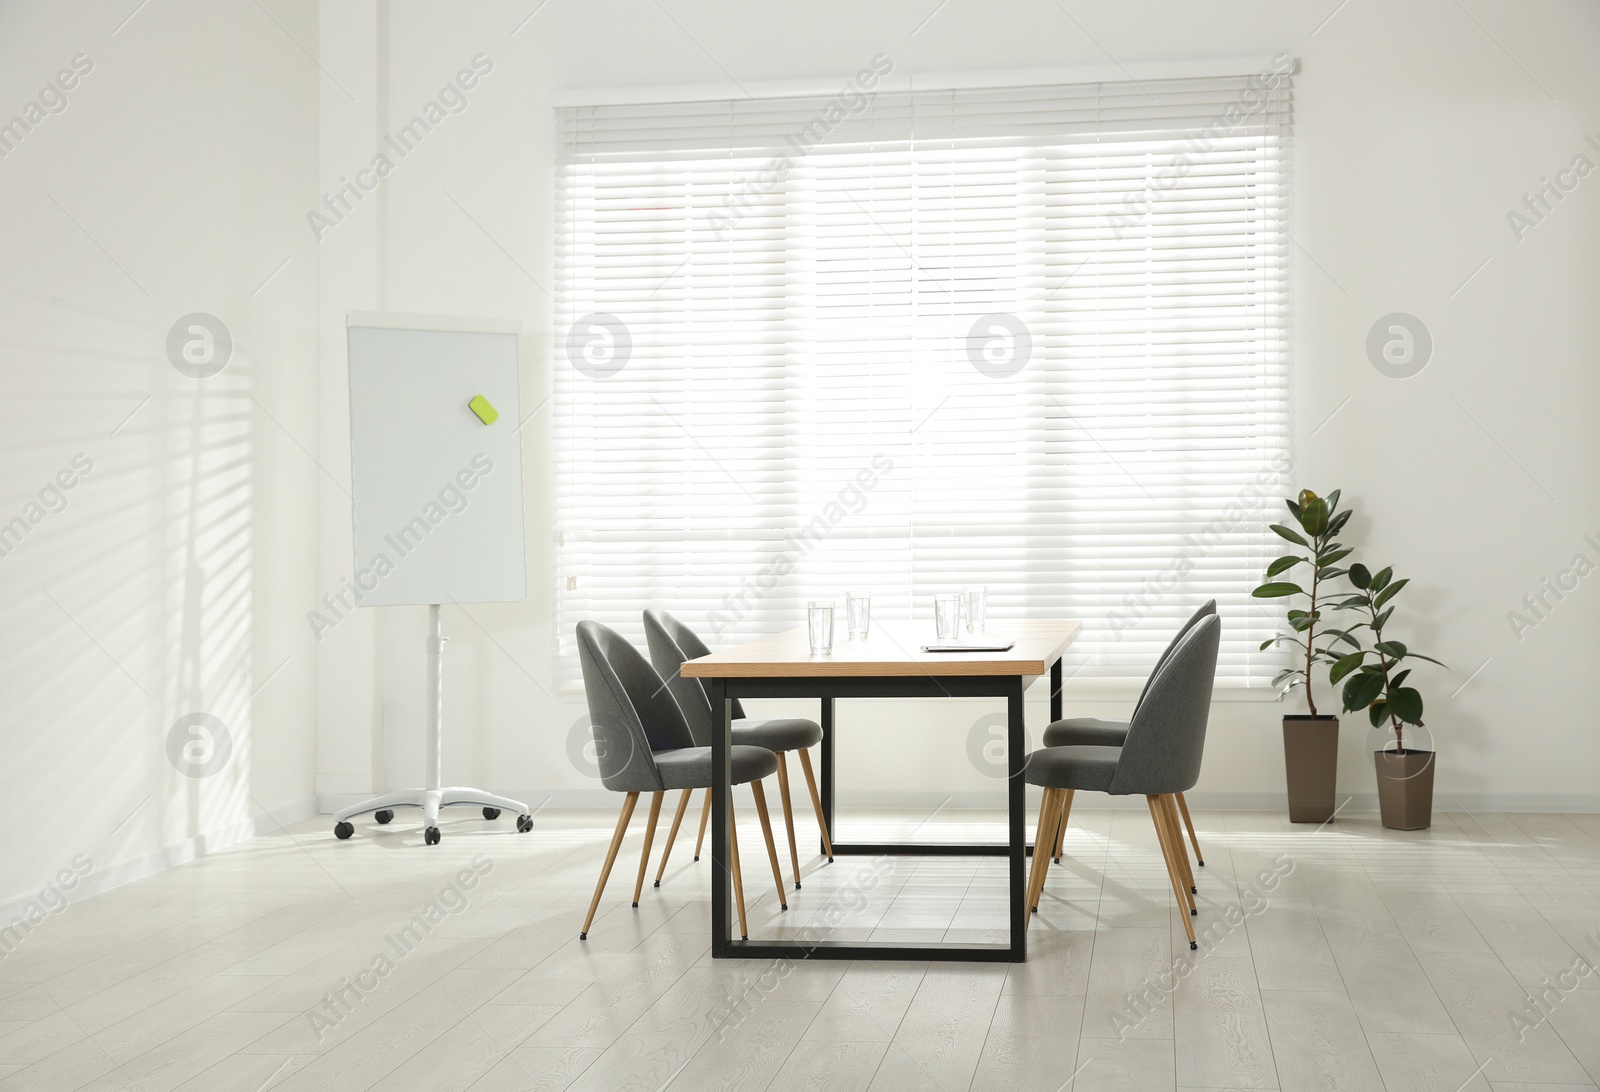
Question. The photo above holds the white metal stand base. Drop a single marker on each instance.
(434, 797)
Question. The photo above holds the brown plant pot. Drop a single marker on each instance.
(1311, 766)
(1405, 788)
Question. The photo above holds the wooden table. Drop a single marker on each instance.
(889, 664)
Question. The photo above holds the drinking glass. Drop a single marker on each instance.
(859, 610)
(819, 622)
(977, 604)
(947, 616)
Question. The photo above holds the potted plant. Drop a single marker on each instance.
(1405, 775)
(1310, 740)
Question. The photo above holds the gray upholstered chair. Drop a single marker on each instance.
(671, 643)
(1094, 732)
(644, 745)
(1159, 758)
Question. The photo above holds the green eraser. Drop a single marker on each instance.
(486, 413)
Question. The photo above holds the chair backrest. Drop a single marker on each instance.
(1207, 609)
(671, 643)
(1167, 736)
(631, 711)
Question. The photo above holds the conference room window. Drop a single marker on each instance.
(1033, 338)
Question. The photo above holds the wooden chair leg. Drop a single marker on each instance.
(772, 850)
(672, 835)
(1061, 832)
(1180, 850)
(788, 817)
(705, 816)
(1172, 871)
(1183, 806)
(649, 836)
(738, 876)
(1049, 816)
(816, 803)
(611, 858)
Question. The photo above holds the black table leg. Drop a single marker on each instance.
(1016, 793)
(1055, 691)
(827, 771)
(721, 793)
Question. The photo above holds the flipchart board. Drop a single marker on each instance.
(436, 460)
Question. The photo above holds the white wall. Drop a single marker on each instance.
(172, 182)
(1417, 128)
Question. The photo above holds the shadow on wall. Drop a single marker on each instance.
(125, 603)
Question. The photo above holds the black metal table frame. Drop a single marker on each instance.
(828, 688)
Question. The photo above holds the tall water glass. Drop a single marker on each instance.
(858, 608)
(977, 603)
(819, 623)
(947, 616)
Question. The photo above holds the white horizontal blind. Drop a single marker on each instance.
(1032, 338)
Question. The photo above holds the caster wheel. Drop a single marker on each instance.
(384, 817)
(1194, 891)
(797, 885)
(491, 813)
(830, 860)
(1194, 913)
(431, 836)
(1202, 864)
(524, 824)
(636, 906)
(583, 936)
(697, 858)
(656, 884)
(1193, 947)
(342, 831)
(784, 906)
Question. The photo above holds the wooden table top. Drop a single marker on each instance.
(891, 649)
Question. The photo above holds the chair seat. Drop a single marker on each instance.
(1091, 768)
(690, 767)
(1086, 732)
(777, 734)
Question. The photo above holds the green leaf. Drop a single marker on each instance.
(1390, 592)
(1288, 561)
(1360, 576)
(1288, 672)
(1380, 579)
(1376, 712)
(1313, 515)
(1393, 649)
(1301, 622)
(1351, 603)
(1399, 678)
(1328, 557)
(1406, 703)
(1277, 590)
(1333, 502)
(1336, 524)
(1430, 659)
(1362, 690)
(1284, 532)
(1345, 665)
(1294, 509)
(1381, 620)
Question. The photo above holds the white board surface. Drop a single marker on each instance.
(437, 494)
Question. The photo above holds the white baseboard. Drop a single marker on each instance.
(105, 878)
(1209, 799)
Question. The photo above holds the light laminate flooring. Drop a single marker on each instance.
(1342, 958)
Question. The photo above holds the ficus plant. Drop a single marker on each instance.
(1319, 521)
(1378, 685)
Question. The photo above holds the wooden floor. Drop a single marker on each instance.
(1378, 960)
